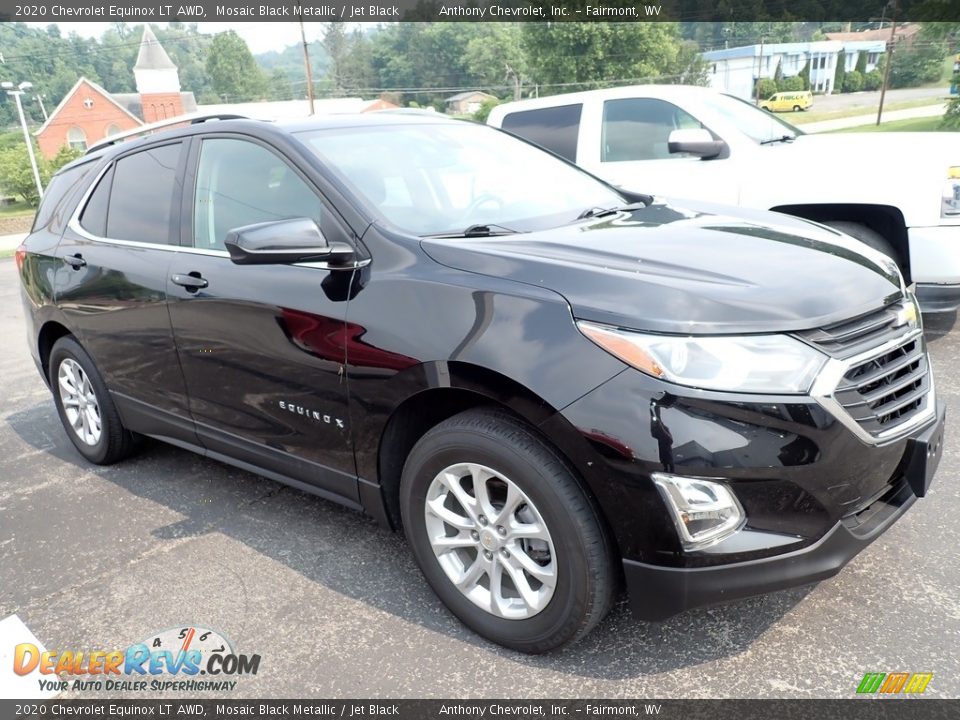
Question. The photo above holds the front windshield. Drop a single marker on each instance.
(438, 179)
(753, 122)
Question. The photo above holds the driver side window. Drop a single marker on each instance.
(638, 129)
(241, 183)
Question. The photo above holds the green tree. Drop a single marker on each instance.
(483, 112)
(804, 75)
(16, 174)
(567, 56)
(65, 154)
(840, 72)
(861, 63)
(234, 74)
(496, 57)
(791, 84)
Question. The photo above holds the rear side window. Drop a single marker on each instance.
(554, 128)
(141, 200)
(134, 199)
(57, 191)
(94, 217)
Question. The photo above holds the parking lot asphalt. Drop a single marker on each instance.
(102, 557)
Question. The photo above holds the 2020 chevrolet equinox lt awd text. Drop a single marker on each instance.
(551, 386)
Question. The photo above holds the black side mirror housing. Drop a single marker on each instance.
(282, 242)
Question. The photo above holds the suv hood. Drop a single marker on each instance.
(690, 269)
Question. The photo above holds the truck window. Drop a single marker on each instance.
(554, 128)
(638, 128)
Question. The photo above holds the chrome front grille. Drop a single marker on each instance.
(878, 381)
(887, 390)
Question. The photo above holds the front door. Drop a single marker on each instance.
(261, 345)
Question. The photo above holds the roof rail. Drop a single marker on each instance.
(190, 118)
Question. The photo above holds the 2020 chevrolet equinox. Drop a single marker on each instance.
(552, 386)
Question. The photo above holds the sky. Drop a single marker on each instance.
(260, 37)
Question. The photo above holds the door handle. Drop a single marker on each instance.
(75, 261)
(191, 281)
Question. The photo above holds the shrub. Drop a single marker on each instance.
(791, 84)
(484, 110)
(767, 87)
(872, 80)
(852, 81)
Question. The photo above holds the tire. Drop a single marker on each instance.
(867, 236)
(104, 443)
(575, 554)
(797, 108)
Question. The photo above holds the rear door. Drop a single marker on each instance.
(261, 346)
(111, 285)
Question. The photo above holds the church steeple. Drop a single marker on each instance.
(154, 71)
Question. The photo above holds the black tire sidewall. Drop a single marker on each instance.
(569, 604)
(69, 348)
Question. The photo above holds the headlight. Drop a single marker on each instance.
(751, 363)
(950, 202)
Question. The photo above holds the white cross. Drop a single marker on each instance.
(87, 103)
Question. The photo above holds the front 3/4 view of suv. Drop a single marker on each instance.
(551, 386)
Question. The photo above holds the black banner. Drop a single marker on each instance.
(854, 709)
(478, 10)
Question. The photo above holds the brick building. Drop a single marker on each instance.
(89, 113)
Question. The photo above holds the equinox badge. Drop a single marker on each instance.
(311, 414)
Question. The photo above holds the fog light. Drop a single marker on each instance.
(704, 511)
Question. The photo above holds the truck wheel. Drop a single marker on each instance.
(504, 534)
(85, 407)
(796, 108)
(867, 236)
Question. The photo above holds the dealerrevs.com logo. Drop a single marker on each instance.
(894, 683)
(184, 653)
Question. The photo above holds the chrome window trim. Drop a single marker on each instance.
(76, 227)
(825, 387)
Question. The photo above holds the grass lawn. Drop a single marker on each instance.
(927, 124)
(18, 208)
(808, 117)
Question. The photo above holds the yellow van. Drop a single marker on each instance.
(786, 101)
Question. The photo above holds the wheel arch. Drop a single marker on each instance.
(886, 220)
(50, 332)
(455, 388)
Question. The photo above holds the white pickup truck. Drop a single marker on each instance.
(897, 192)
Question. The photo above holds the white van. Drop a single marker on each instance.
(897, 192)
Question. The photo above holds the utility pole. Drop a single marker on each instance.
(306, 62)
(760, 70)
(889, 62)
(15, 92)
(42, 108)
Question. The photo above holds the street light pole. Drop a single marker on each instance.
(16, 92)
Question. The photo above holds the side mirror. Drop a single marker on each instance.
(281, 242)
(696, 141)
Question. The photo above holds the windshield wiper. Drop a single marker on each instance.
(478, 230)
(595, 212)
(782, 138)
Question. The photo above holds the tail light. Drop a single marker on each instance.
(19, 255)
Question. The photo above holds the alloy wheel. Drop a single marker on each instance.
(79, 401)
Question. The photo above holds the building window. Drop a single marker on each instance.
(88, 103)
(77, 138)
(112, 129)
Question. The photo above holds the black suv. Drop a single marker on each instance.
(551, 385)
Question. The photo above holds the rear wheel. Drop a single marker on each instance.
(85, 407)
(504, 533)
(797, 108)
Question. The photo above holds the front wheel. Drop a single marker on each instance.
(797, 108)
(504, 533)
(85, 407)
